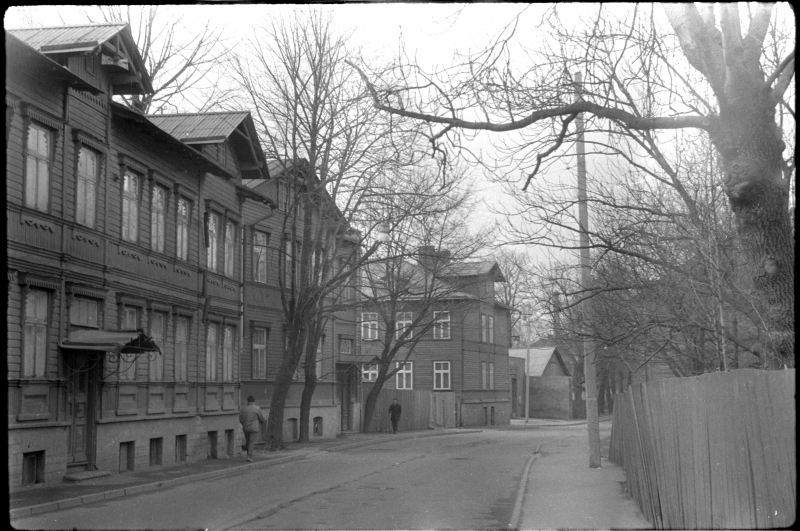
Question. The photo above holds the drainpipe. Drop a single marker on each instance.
(460, 419)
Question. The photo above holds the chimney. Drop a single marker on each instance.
(430, 258)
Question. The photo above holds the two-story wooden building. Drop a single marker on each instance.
(124, 266)
(463, 350)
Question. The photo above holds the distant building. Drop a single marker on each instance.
(551, 386)
(465, 352)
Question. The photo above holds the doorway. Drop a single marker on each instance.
(82, 370)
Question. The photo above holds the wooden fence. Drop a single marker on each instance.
(715, 451)
(416, 410)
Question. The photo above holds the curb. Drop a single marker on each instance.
(31, 510)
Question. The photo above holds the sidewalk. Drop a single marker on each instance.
(564, 493)
(51, 497)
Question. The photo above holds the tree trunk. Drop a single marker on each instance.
(751, 147)
(305, 406)
(283, 381)
(372, 400)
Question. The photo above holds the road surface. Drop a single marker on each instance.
(466, 481)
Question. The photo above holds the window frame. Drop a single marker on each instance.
(407, 319)
(81, 201)
(158, 218)
(211, 353)
(369, 373)
(183, 230)
(228, 347)
(130, 199)
(181, 361)
(260, 258)
(370, 325)
(229, 249)
(72, 311)
(212, 241)
(407, 375)
(439, 325)
(39, 157)
(345, 341)
(33, 363)
(259, 353)
(155, 360)
(484, 375)
(491, 375)
(437, 372)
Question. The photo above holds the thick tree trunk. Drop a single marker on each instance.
(751, 148)
(283, 380)
(369, 405)
(305, 406)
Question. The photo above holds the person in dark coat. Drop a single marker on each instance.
(251, 417)
(394, 414)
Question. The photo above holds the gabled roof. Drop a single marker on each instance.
(540, 357)
(169, 142)
(472, 269)
(114, 38)
(200, 128)
(20, 55)
(217, 127)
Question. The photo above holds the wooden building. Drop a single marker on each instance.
(124, 266)
(465, 352)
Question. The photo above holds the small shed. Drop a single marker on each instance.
(550, 382)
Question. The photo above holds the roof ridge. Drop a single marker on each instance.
(198, 113)
(62, 26)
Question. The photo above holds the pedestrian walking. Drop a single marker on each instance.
(394, 414)
(251, 417)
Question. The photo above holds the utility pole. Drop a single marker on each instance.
(527, 374)
(589, 369)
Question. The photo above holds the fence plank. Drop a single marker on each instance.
(683, 429)
(783, 442)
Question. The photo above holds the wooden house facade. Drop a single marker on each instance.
(124, 268)
(465, 352)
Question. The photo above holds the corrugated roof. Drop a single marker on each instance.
(540, 357)
(199, 127)
(87, 36)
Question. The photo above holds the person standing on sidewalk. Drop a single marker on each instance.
(394, 414)
(251, 417)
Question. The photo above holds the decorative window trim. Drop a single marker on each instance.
(79, 136)
(29, 112)
(126, 162)
(127, 300)
(86, 291)
(181, 190)
(155, 306)
(183, 312)
(27, 279)
(254, 323)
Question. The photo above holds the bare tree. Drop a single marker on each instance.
(413, 275)
(328, 147)
(638, 79)
(185, 64)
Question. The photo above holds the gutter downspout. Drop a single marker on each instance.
(460, 419)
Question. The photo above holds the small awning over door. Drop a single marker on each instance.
(127, 341)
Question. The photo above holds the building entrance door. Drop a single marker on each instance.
(81, 398)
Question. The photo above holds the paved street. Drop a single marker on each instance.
(469, 481)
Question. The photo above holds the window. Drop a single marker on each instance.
(260, 353)
(345, 346)
(404, 320)
(211, 352)
(181, 348)
(182, 245)
(158, 329)
(84, 312)
(86, 192)
(405, 376)
(483, 375)
(491, 375)
(130, 207)
(127, 367)
(129, 318)
(441, 325)
(487, 328)
(441, 375)
(211, 244)
(230, 248)
(37, 167)
(260, 242)
(369, 326)
(318, 365)
(369, 373)
(227, 353)
(34, 355)
(158, 216)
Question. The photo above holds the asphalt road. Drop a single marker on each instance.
(469, 481)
